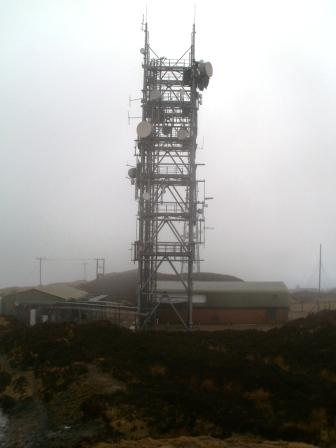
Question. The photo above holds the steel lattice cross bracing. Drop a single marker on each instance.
(171, 199)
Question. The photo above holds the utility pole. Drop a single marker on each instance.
(100, 267)
(319, 284)
(320, 269)
(84, 270)
(40, 259)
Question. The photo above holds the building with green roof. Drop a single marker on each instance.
(217, 303)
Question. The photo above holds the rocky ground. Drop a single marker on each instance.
(95, 385)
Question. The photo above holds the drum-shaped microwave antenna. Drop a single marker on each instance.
(167, 130)
(154, 95)
(208, 69)
(132, 172)
(182, 134)
(205, 69)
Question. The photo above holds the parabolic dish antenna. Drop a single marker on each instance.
(144, 129)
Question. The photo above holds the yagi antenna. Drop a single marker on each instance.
(131, 118)
(130, 100)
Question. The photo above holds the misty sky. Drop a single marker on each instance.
(268, 121)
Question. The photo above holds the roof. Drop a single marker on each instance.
(233, 294)
(223, 286)
(62, 291)
(98, 298)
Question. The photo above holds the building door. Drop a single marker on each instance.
(32, 320)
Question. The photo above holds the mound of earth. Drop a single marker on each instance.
(81, 385)
(122, 286)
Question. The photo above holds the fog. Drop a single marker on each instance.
(267, 123)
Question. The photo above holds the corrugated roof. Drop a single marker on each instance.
(98, 298)
(218, 286)
(62, 291)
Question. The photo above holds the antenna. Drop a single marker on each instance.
(129, 117)
(130, 100)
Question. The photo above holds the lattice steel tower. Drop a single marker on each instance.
(171, 202)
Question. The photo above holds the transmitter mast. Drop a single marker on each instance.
(171, 200)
